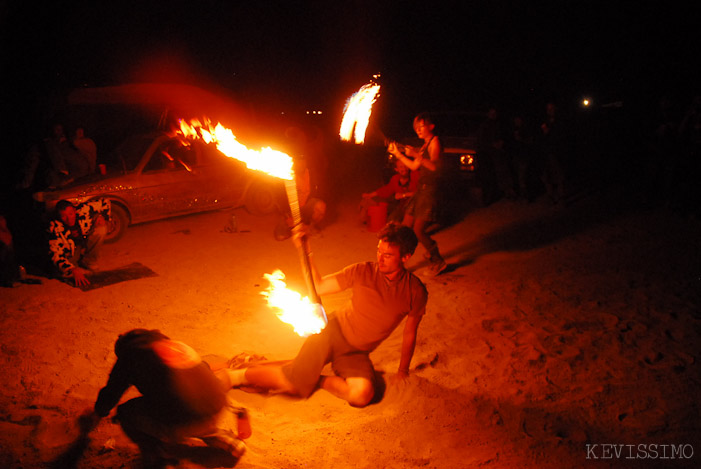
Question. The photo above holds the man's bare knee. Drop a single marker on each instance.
(361, 393)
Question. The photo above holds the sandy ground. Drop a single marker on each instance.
(552, 330)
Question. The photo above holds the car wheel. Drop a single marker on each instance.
(260, 199)
(117, 226)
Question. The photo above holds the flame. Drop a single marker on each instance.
(356, 113)
(301, 313)
(273, 162)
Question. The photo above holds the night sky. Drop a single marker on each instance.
(290, 55)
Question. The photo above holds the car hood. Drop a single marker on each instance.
(93, 184)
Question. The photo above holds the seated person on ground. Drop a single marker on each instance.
(384, 294)
(75, 238)
(396, 193)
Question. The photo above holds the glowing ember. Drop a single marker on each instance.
(356, 113)
(273, 162)
(305, 317)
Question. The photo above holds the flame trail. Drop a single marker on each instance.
(273, 162)
(356, 113)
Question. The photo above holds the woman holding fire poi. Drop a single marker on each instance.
(427, 159)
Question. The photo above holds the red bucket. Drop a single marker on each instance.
(377, 217)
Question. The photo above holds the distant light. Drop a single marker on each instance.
(585, 102)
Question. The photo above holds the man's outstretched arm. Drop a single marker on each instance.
(411, 329)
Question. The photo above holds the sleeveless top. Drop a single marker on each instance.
(426, 176)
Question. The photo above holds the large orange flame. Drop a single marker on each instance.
(303, 315)
(306, 318)
(356, 113)
(273, 162)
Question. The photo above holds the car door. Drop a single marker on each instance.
(226, 178)
(168, 184)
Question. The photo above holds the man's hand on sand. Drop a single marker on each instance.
(79, 277)
(400, 379)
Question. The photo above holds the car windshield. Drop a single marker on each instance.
(130, 151)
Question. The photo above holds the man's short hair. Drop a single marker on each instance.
(62, 205)
(399, 235)
(135, 339)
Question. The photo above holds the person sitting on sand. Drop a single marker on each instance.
(383, 294)
(397, 193)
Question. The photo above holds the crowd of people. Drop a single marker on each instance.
(523, 158)
(58, 160)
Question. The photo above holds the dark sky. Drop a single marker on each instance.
(432, 55)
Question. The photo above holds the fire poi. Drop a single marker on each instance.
(306, 315)
(357, 111)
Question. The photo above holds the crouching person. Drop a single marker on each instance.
(181, 397)
(76, 236)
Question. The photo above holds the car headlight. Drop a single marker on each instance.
(467, 162)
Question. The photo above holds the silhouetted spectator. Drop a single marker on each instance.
(664, 152)
(86, 146)
(34, 170)
(492, 170)
(553, 147)
(688, 168)
(312, 206)
(519, 149)
(67, 162)
(9, 268)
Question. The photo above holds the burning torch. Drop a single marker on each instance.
(303, 248)
(307, 315)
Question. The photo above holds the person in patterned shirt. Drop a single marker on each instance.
(75, 238)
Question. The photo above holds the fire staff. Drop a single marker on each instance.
(383, 294)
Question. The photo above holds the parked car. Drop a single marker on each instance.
(156, 176)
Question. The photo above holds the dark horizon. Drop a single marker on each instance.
(451, 56)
